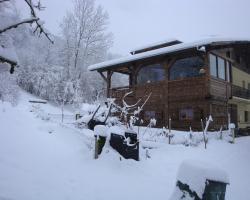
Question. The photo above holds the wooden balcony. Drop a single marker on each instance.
(240, 92)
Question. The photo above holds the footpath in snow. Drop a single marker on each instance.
(43, 159)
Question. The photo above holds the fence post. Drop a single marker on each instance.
(96, 148)
(169, 133)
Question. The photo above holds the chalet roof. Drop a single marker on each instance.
(164, 43)
(166, 50)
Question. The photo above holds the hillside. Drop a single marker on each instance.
(45, 159)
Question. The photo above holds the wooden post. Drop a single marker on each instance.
(233, 134)
(204, 137)
(109, 75)
(169, 130)
(229, 120)
(96, 148)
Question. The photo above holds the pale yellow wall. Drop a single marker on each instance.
(239, 76)
(242, 106)
(241, 109)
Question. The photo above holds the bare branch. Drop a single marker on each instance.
(29, 21)
(6, 60)
(10, 62)
(129, 106)
(38, 25)
(1, 1)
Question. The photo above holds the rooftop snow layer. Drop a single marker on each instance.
(165, 50)
(155, 44)
(195, 173)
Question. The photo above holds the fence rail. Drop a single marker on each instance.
(240, 92)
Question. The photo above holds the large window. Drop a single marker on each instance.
(151, 74)
(186, 67)
(219, 67)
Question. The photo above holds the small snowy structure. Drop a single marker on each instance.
(100, 130)
(194, 177)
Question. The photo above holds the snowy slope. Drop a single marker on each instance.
(46, 160)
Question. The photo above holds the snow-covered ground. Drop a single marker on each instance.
(44, 159)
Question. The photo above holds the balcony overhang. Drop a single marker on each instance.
(239, 100)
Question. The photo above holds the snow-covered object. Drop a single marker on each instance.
(117, 130)
(152, 122)
(231, 125)
(166, 50)
(8, 53)
(100, 130)
(196, 173)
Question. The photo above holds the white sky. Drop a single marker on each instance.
(138, 22)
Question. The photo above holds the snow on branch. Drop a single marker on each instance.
(15, 25)
(33, 19)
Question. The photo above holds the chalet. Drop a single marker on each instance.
(188, 81)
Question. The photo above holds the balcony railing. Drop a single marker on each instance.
(240, 92)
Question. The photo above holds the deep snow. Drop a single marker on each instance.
(42, 159)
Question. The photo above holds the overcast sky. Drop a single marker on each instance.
(138, 22)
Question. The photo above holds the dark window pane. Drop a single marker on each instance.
(149, 115)
(221, 68)
(246, 116)
(187, 67)
(213, 66)
(186, 114)
(151, 73)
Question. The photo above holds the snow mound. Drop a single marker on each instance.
(196, 173)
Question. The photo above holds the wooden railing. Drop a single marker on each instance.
(240, 92)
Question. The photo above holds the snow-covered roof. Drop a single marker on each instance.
(196, 173)
(170, 40)
(166, 50)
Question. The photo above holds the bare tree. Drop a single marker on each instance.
(84, 31)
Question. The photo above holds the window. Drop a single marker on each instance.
(119, 80)
(213, 65)
(151, 74)
(221, 68)
(246, 116)
(186, 114)
(249, 86)
(186, 67)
